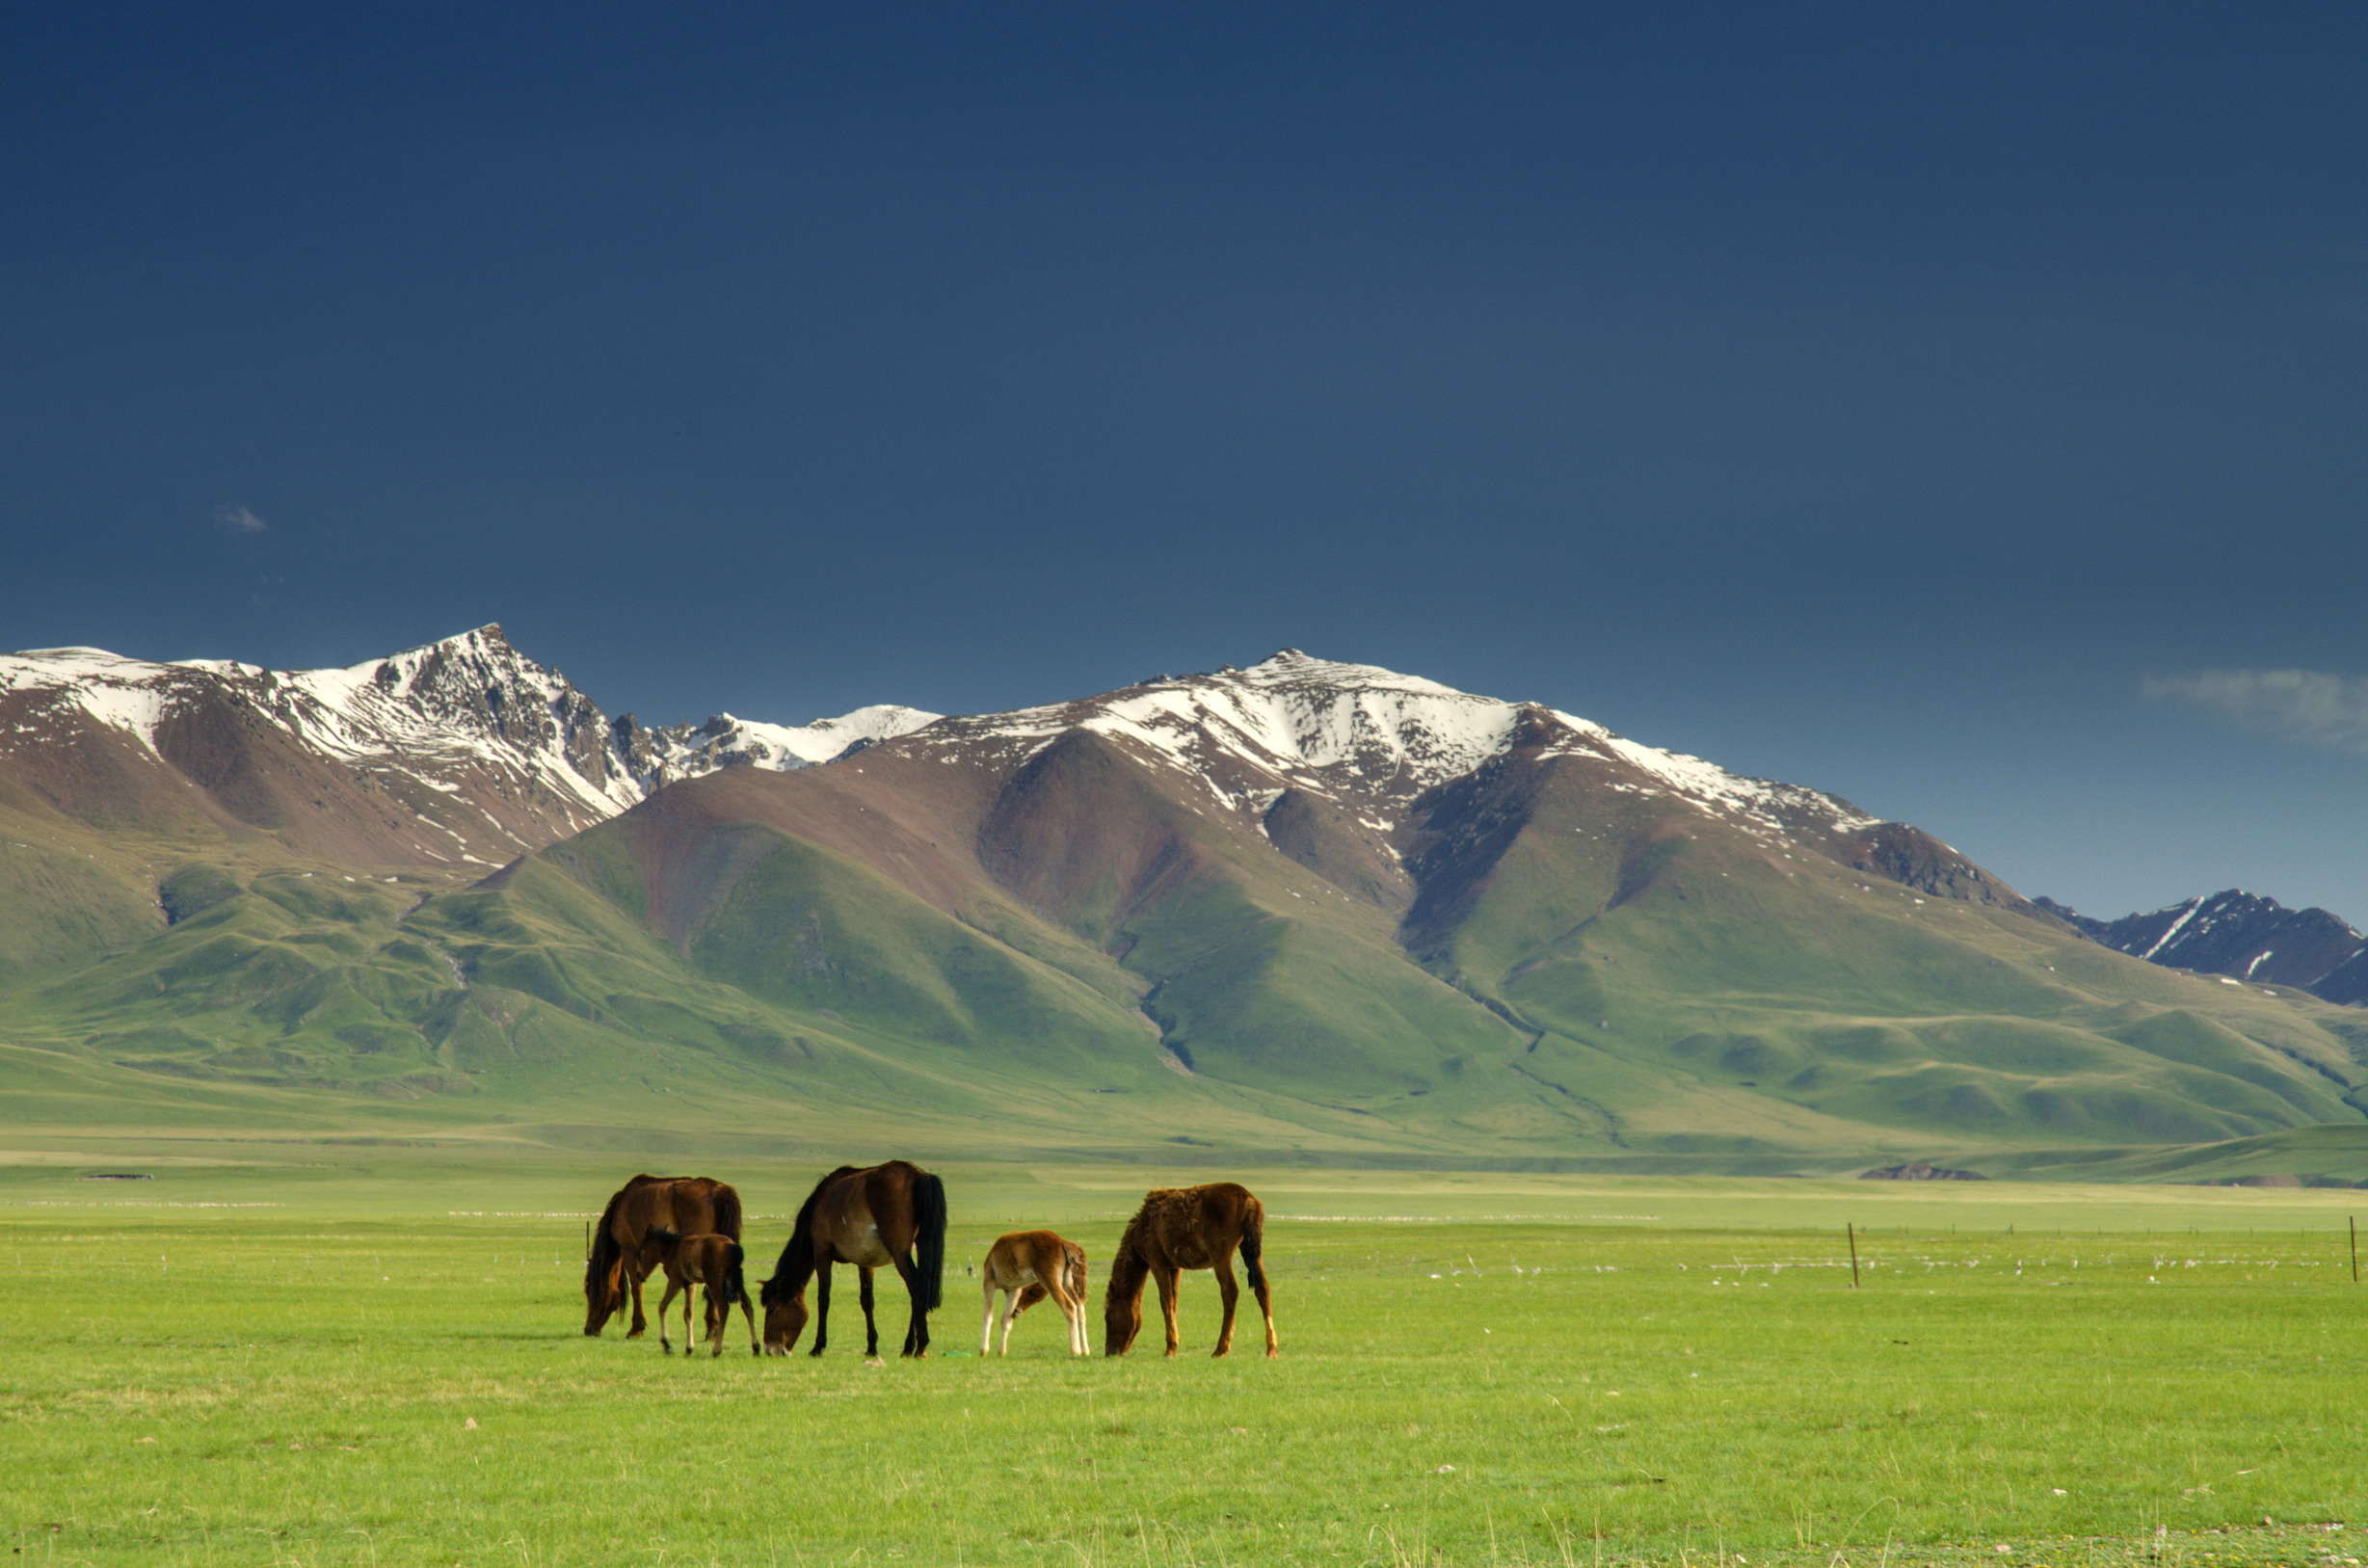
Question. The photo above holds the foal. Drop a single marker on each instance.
(1031, 1265)
(711, 1260)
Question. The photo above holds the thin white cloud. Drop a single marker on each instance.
(2308, 706)
(239, 519)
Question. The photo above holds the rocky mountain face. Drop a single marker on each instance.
(438, 763)
(2244, 936)
(460, 753)
(1301, 905)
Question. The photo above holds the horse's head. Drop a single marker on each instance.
(603, 1292)
(1122, 1308)
(785, 1318)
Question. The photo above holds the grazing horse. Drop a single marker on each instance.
(878, 1216)
(1180, 1228)
(620, 1257)
(711, 1260)
(1031, 1265)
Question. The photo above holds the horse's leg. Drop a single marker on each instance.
(1265, 1310)
(1073, 1312)
(916, 1330)
(1228, 1292)
(822, 1304)
(986, 1321)
(1166, 1273)
(1019, 1300)
(640, 1323)
(668, 1301)
(755, 1346)
(871, 1321)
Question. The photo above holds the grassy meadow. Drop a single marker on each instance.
(324, 1355)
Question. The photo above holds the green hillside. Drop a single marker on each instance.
(1087, 961)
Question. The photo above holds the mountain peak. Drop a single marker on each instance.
(1293, 667)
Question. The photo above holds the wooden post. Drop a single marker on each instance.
(1852, 1230)
(587, 1241)
(2354, 1249)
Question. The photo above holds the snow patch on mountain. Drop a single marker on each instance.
(1342, 730)
(446, 722)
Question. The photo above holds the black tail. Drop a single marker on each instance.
(1254, 1243)
(796, 1263)
(929, 1252)
(735, 1284)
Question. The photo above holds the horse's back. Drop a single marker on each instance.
(1027, 1256)
(1193, 1227)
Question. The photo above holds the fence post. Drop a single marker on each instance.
(2354, 1249)
(1852, 1230)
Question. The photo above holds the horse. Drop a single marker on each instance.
(1031, 1265)
(876, 1217)
(619, 1261)
(1180, 1228)
(711, 1260)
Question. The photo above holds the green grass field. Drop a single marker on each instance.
(306, 1354)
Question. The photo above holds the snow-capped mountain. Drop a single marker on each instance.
(460, 752)
(1358, 733)
(1367, 744)
(2245, 936)
(1377, 907)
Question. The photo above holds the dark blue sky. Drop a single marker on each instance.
(1909, 401)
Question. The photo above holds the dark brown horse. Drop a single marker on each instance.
(879, 1216)
(1180, 1228)
(620, 1258)
(694, 1260)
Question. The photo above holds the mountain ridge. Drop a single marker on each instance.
(2243, 935)
(1303, 904)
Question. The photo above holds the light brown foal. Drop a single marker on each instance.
(1031, 1265)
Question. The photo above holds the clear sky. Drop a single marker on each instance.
(1956, 408)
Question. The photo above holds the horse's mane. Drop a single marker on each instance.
(604, 1247)
(796, 1264)
(1154, 1202)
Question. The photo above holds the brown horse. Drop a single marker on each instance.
(711, 1260)
(619, 1258)
(879, 1216)
(1031, 1265)
(1180, 1228)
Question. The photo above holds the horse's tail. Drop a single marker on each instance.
(1254, 1243)
(929, 1220)
(736, 1286)
(725, 1199)
(796, 1263)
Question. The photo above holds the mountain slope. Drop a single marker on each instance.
(1302, 905)
(460, 753)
